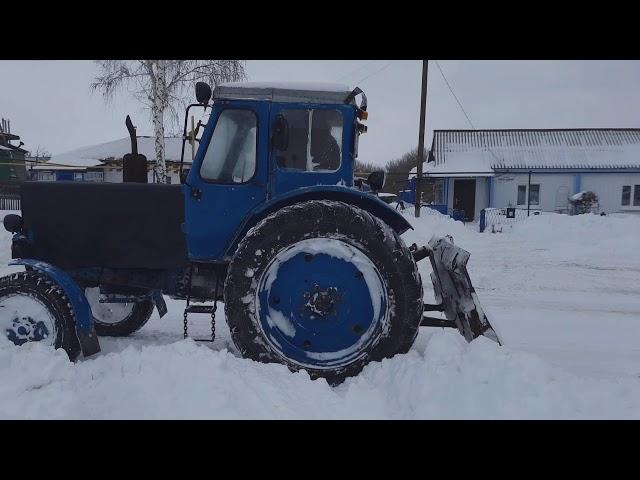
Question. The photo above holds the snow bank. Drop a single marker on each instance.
(563, 291)
(444, 378)
(597, 240)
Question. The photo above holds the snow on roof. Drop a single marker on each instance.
(466, 164)
(95, 155)
(488, 150)
(284, 91)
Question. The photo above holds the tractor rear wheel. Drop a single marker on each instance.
(33, 308)
(117, 319)
(323, 286)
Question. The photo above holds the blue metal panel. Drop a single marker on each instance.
(213, 219)
(446, 191)
(352, 196)
(490, 192)
(64, 176)
(81, 308)
(483, 220)
(577, 183)
(439, 208)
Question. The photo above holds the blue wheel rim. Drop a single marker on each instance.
(321, 303)
(26, 319)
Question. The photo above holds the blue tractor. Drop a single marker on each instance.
(312, 270)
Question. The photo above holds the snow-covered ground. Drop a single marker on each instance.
(562, 292)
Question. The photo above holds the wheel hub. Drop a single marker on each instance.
(24, 318)
(26, 329)
(321, 302)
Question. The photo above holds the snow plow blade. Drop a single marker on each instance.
(454, 292)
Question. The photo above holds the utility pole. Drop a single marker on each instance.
(423, 111)
(529, 194)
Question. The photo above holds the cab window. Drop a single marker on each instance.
(315, 140)
(231, 154)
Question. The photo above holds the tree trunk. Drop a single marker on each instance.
(160, 99)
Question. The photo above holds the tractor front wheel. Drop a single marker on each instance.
(323, 286)
(33, 308)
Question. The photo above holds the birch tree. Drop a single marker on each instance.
(163, 86)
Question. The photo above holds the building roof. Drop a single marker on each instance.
(95, 155)
(489, 150)
(284, 92)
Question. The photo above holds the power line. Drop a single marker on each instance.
(374, 73)
(462, 108)
(454, 95)
(343, 77)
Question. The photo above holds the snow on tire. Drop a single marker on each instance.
(33, 308)
(323, 286)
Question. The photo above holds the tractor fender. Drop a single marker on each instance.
(81, 309)
(349, 195)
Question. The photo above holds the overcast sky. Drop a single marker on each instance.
(49, 102)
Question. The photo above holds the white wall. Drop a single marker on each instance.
(114, 176)
(555, 188)
(482, 195)
(608, 187)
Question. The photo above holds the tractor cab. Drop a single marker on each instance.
(262, 142)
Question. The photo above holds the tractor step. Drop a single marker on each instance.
(199, 309)
(211, 310)
(437, 322)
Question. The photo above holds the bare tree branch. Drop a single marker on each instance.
(162, 86)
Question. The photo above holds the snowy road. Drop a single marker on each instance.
(562, 292)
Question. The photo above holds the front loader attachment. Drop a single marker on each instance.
(454, 292)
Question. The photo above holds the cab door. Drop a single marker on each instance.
(228, 177)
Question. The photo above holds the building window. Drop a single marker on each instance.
(534, 194)
(93, 177)
(636, 196)
(626, 195)
(78, 177)
(46, 177)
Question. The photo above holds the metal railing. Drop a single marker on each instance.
(495, 219)
(9, 202)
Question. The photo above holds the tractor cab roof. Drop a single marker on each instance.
(294, 92)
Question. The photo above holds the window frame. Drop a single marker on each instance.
(341, 143)
(204, 155)
(630, 206)
(526, 195)
(627, 205)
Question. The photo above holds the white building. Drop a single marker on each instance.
(475, 169)
(103, 162)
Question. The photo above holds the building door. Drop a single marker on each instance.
(464, 198)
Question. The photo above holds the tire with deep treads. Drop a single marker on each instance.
(39, 286)
(332, 220)
(131, 322)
